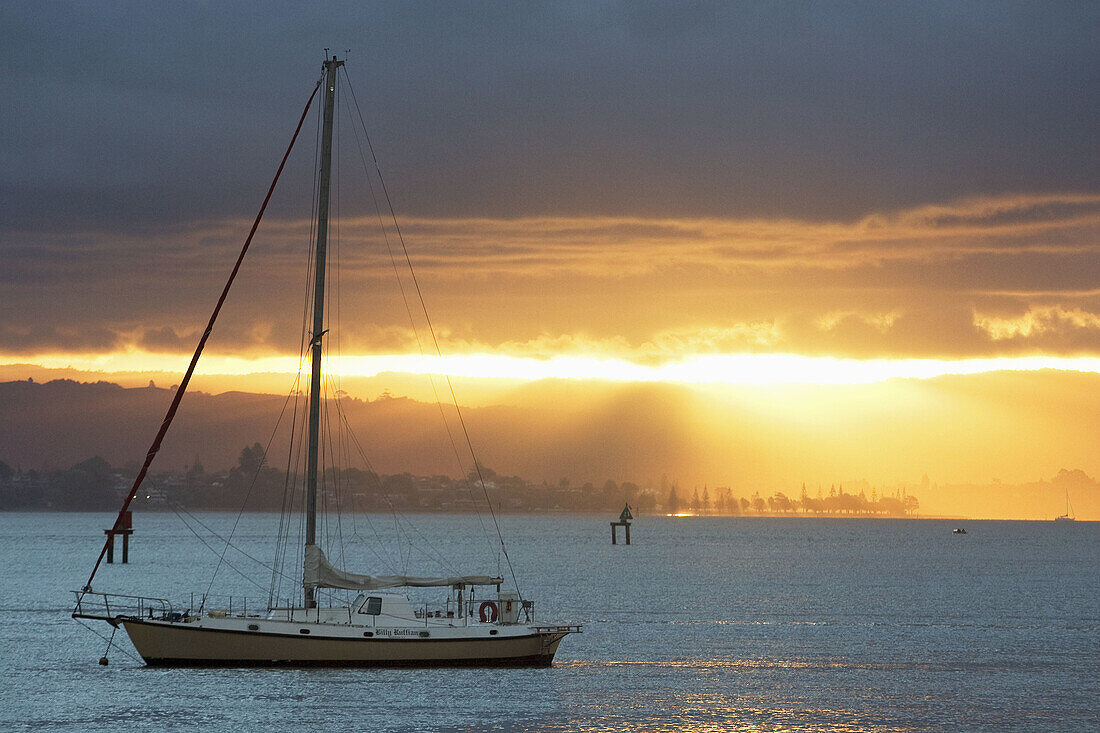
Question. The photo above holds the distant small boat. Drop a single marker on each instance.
(1068, 516)
(959, 530)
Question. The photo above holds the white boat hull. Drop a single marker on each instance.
(162, 643)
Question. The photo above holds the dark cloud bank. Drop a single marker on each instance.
(127, 112)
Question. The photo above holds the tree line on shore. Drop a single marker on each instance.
(836, 502)
(95, 485)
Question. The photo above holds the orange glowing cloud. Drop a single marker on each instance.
(984, 277)
(1036, 321)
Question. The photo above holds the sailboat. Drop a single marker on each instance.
(1068, 516)
(380, 626)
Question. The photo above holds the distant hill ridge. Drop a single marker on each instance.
(640, 436)
(639, 433)
(52, 425)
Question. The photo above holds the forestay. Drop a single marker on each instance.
(319, 573)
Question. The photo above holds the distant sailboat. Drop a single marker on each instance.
(379, 627)
(1068, 516)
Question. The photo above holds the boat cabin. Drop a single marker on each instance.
(382, 609)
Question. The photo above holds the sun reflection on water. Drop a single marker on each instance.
(725, 694)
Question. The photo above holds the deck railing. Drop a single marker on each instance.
(110, 606)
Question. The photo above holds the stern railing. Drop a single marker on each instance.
(113, 606)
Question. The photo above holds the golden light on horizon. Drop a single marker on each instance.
(732, 369)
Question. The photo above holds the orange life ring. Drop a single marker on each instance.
(487, 612)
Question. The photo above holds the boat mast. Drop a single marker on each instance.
(319, 310)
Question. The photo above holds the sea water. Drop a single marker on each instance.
(738, 624)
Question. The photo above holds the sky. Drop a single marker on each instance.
(636, 191)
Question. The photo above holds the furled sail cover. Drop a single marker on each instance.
(319, 573)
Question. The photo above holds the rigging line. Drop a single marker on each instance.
(248, 494)
(102, 636)
(337, 473)
(294, 390)
(386, 560)
(296, 498)
(377, 477)
(336, 313)
(290, 482)
(299, 557)
(408, 309)
(334, 378)
(334, 281)
(327, 392)
(398, 531)
(155, 447)
(328, 476)
(431, 329)
(211, 548)
(280, 546)
(435, 340)
(177, 509)
(425, 543)
(280, 539)
(412, 319)
(359, 508)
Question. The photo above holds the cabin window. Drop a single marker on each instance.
(372, 606)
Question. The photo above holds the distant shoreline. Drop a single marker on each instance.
(594, 515)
